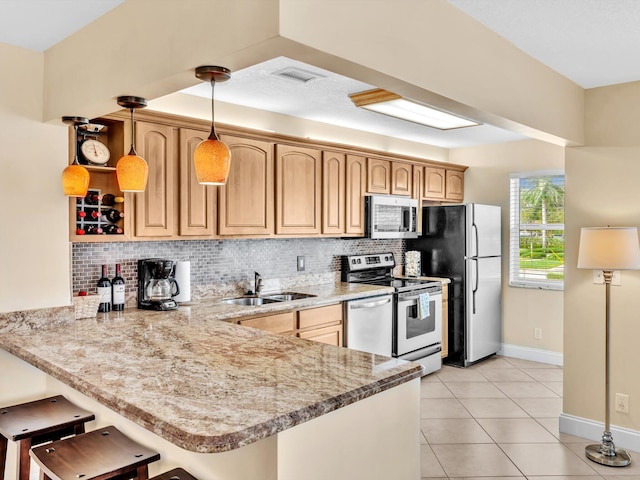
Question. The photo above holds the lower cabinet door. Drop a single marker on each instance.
(331, 335)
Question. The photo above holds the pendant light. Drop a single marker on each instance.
(75, 178)
(131, 170)
(212, 158)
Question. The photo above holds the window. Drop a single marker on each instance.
(536, 241)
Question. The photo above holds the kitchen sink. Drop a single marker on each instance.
(272, 298)
(287, 296)
(249, 300)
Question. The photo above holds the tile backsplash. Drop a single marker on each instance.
(219, 263)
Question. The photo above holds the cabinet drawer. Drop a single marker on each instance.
(331, 335)
(319, 316)
(279, 323)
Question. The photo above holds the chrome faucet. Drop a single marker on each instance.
(257, 283)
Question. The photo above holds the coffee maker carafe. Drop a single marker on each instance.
(156, 284)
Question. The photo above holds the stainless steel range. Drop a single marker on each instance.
(416, 312)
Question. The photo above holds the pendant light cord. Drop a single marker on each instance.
(132, 151)
(75, 140)
(213, 135)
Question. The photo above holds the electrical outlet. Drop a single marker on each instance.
(598, 277)
(622, 403)
(537, 333)
(301, 263)
(616, 277)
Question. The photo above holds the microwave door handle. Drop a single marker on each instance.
(406, 219)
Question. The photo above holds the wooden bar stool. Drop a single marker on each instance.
(101, 455)
(37, 422)
(175, 474)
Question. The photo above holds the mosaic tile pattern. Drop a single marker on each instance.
(221, 262)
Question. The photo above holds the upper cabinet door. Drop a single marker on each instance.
(455, 186)
(298, 185)
(245, 203)
(418, 173)
(434, 183)
(378, 176)
(197, 202)
(333, 193)
(401, 174)
(155, 207)
(356, 190)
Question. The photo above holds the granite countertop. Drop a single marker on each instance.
(203, 384)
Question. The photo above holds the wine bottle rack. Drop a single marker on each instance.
(87, 222)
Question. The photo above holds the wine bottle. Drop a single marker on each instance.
(112, 229)
(91, 199)
(93, 215)
(118, 289)
(111, 215)
(110, 200)
(80, 231)
(82, 214)
(93, 230)
(104, 290)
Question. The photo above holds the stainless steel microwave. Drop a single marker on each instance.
(391, 216)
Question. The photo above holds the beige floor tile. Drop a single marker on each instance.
(620, 473)
(429, 465)
(521, 363)
(442, 408)
(525, 390)
(541, 407)
(618, 477)
(452, 374)
(492, 362)
(435, 390)
(551, 425)
(493, 408)
(545, 374)
(516, 430)
(474, 460)
(475, 390)
(454, 430)
(506, 375)
(546, 459)
(489, 478)
(567, 477)
(433, 478)
(431, 378)
(554, 386)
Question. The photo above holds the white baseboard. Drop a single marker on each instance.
(585, 428)
(533, 354)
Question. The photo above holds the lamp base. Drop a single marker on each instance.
(600, 454)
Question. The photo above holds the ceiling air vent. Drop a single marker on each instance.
(298, 75)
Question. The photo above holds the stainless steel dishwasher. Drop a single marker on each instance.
(369, 324)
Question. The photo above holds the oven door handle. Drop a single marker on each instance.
(370, 304)
(416, 297)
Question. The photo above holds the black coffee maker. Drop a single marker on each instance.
(156, 284)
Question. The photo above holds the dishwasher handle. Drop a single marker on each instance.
(378, 303)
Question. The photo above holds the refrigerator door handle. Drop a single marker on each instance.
(475, 286)
(475, 233)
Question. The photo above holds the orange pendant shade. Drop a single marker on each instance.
(212, 161)
(75, 181)
(132, 172)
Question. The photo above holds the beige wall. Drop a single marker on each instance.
(602, 189)
(487, 181)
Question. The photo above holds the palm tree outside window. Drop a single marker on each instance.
(536, 244)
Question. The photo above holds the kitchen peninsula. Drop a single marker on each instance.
(226, 401)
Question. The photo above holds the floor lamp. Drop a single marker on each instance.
(608, 249)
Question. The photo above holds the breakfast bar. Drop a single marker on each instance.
(226, 401)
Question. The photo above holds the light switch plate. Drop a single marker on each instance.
(301, 263)
(598, 277)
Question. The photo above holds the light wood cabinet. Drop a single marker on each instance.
(356, 184)
(298, 190)
(154, 208)
(434, 183)
(197, 202)
(454, 186)
(378, 176)
(279, 323)
(401, 178)
(333, 193)
(246, 202)
(322, 324)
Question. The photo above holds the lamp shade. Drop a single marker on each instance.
(75, 181)
(132, 172)
(609, 248)
(212, 161)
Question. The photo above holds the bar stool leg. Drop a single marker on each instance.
(143, 472)
(3, 455)
(25, 460)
